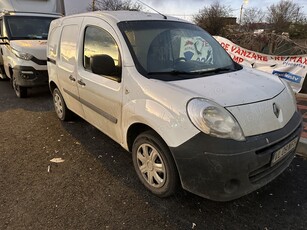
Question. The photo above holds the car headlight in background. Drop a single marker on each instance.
(213, 119)
(24, 56)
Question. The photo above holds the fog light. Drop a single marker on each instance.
(232, 186)
(27, 75)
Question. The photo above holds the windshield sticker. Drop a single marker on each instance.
(196, 49)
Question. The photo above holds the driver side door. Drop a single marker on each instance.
(100, 95)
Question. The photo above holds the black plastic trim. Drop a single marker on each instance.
(38, 61)
(93, 107)
(51, 60)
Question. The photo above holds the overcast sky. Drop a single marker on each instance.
(184, 7)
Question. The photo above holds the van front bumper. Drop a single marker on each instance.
(27, 76)
(223, 169)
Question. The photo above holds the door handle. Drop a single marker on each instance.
(80, 82)
(72, 78)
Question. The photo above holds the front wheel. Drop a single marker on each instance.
(154, 164)
(60, 107)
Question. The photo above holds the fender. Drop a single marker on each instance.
(173, 126)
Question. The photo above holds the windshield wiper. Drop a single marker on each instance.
(172, 72)
(35, 36)
(208, 71)
(217, 70)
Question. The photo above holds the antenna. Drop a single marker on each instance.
(164, 16)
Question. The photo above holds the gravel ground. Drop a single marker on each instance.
(96, 186)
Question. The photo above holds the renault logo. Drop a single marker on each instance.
(276, 110)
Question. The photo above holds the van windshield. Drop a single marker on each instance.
(169, 50)
(27, 27)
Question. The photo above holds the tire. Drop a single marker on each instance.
(21, 92)
(62, 112)
(154, 164)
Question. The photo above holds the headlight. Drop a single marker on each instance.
(24, 56)
(290, 91)
(213, 119)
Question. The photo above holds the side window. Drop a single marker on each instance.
(52, 43)
(68, 47)
(99, 43)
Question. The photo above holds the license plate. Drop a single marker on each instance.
(281, 153)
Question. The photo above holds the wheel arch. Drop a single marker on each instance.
(52, 86)
(134, 130)
(10, 72)
(170, 122)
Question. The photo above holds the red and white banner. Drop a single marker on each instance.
(291, 68)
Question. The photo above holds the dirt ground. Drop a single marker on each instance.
(96, 186)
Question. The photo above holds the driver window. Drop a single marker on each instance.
(99, 42)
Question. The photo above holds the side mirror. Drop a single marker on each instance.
(104, 65)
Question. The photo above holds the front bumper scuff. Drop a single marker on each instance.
(223, 169)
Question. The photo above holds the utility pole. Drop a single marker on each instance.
(93, 5)
(241, 10)
(240, 20)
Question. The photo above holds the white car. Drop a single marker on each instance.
(166, 91)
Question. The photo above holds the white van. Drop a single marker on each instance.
(166, 91)
(24, 26)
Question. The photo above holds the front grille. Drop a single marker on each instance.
(272, 148)
(268, 171)
(41, 73)
(262, 174)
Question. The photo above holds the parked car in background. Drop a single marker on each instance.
(24, 30)
(166, 91)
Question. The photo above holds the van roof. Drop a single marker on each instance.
(119, 16)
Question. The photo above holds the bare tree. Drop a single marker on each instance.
(114, 5)
(213, 18)
(282, 14)
(252, 18)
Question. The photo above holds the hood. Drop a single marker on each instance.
(37, 48)
(236, 88)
